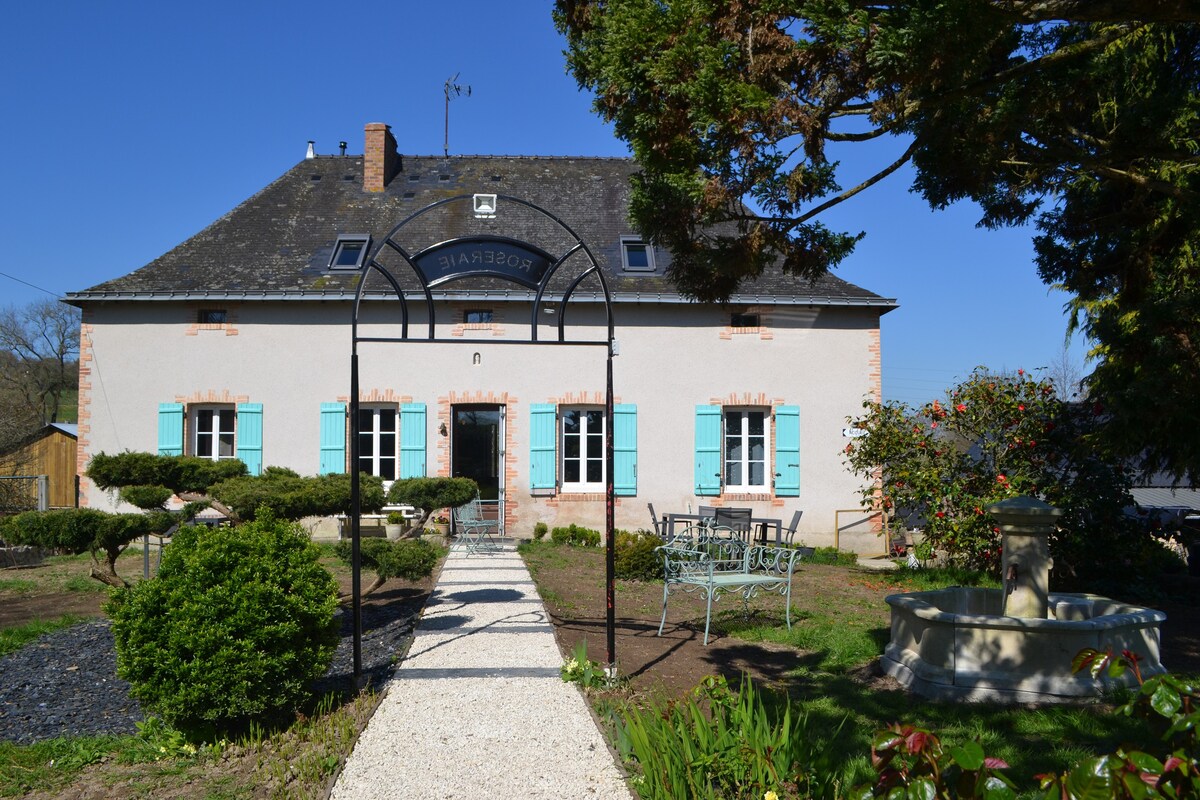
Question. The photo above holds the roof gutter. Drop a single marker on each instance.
(500, 295)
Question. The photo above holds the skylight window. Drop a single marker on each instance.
(636, 255)
(350, 251)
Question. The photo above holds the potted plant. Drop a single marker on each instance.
(393, 527)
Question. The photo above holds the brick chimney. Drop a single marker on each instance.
(381, 162)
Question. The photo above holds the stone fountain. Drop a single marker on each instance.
(1014, 644)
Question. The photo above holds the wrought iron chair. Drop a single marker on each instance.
(474, 530)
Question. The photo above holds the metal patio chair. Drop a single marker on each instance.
(736, 520)
(660, 526)
(475, 532)
(789, 532)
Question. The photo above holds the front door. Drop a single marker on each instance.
(477, 452)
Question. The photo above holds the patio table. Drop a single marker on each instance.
(763, 524)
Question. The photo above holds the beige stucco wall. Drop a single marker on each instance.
(293, 356)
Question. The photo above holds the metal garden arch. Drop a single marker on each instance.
(479, 256)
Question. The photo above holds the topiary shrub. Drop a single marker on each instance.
(233, 630)
(539, 531)
(635, 558)
(576, 535)
(85, 530)
(432, 494)
(411, 559)
(291, 496)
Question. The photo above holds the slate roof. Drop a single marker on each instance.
(277, 244)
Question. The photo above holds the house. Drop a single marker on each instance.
(50, 453)
(238, 343)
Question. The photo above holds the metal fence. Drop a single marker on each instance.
(24, 493)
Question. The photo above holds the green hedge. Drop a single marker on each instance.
(576, 535)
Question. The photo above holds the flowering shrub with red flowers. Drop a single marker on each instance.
(994, 437)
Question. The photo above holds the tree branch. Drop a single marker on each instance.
(869, 182)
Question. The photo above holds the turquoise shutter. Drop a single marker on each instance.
(708, 451)
(170, 429)
(542, 440)
(412, 440)
(250, 436)
(333, 438)
(625, 450)
(787, 451)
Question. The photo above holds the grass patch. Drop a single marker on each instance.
(13, 639)
(18, 585)
(51, 765)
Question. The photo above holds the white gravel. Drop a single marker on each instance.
(477, 709)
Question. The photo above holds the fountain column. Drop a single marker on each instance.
(1025, 527)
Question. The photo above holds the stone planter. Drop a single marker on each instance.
(393, 531)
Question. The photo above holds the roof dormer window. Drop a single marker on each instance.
(350, 251)
(636, 255)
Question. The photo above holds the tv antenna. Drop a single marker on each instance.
(452, 90)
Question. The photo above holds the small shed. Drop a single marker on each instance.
(50, 451)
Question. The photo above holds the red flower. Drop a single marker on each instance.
(940, 514)
(1020, 408)
(961, 407)
(933, 424)
(1001, 479)
(1020, 372)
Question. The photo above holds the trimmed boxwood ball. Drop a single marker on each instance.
(233, 630)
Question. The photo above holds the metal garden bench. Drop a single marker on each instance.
(704, 560)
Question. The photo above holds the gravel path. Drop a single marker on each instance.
(66, 684)
(478, 710)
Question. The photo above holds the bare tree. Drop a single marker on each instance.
(39, 351)
(1068, 376)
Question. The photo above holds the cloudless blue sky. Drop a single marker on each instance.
(128, 127)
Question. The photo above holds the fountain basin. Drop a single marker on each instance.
(956, 644)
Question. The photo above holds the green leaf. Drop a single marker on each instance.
(922, 789)
(1165, 700)
(1091, 779)
(969, 756)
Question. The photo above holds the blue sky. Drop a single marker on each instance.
(131, 126)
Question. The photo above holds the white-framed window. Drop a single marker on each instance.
(583, 449)
(379, 441)
(214, 431)
(747, 440)
(636, 255)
